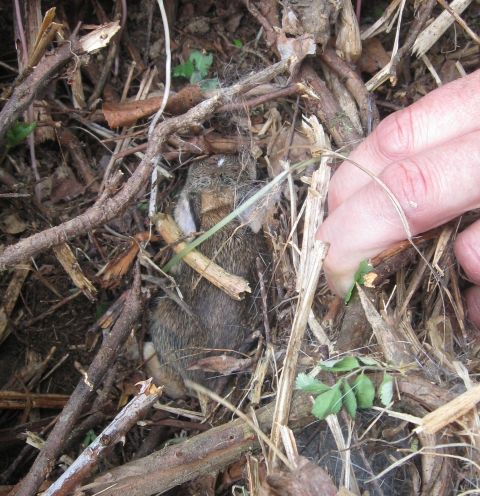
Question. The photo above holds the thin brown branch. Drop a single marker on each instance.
(354, 84)
(417, 26)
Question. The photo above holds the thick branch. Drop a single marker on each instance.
(205, 453)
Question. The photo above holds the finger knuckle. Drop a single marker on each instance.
(396, 137)
(411, 185)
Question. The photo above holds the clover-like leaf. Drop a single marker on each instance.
(308, 383)
(364, 391)
(202, 61)
(184, 70)
(349, 400)
(328, 403)
(385, 390)
(340, 365)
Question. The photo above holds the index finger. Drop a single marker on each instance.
(441, 116)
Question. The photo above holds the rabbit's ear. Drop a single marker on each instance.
(186, 214)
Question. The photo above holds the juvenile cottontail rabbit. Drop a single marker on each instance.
(213, 189)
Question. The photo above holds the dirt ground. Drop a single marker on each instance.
(79, 253)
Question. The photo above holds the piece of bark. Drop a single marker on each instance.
(66, 257)
(354, 84)
(354, 330)
(233, 285)
(79, 158)
(329, 111)
(205, 453)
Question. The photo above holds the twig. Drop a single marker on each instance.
(417, 26)
(329, 111)
(106, 441)
(45, 71)
(112, 51)
(149, 32)
(52, 309)
(460, 21)
(353, 83)
(254, 102)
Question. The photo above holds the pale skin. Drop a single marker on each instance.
(429, 156)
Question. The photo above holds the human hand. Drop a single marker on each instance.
(429, 156)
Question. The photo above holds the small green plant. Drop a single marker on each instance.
(90, 436)
(364, 268)
(359, 393)
(195, 68)
(17, 133)
(237, 42)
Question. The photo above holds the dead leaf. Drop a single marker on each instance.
(119, 265)
(10, 222)
(64, 185)
(222, 364)
(308, 478)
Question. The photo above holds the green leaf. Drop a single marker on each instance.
(364, 268)
(340, 365)
(349, 292)
(369, 361)
(18, 132)
(237, 42)
(90, 436)
(328, 403)
(101, 309)
(185, 70)
(385, 390)
(196, 77)
(377, 11)
(209, 84)
(143, 207)
(364, 391)
(308, 383)
(349, 400)
(202, 61)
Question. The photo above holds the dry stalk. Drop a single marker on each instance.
(311, 260)
(233, 285)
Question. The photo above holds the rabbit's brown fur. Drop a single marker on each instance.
(214, 187)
